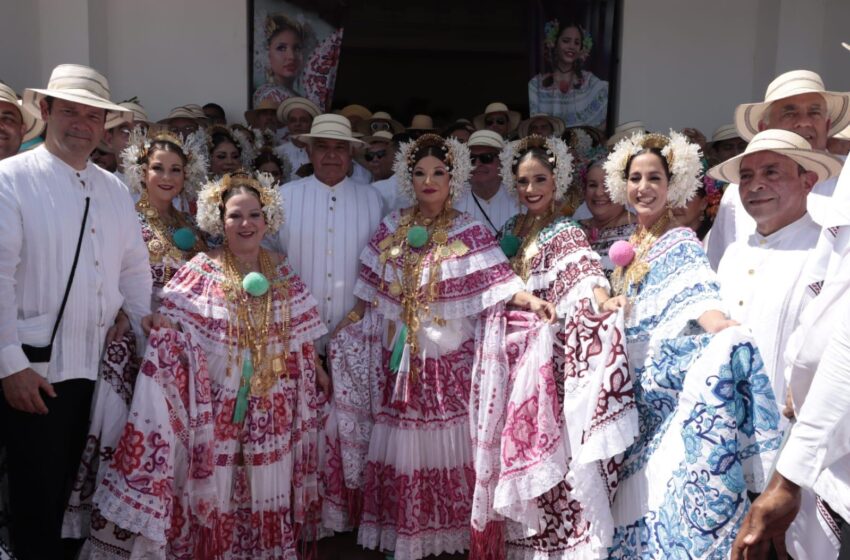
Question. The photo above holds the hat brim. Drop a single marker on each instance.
(514, 118)
(558, 126)
(749, 115)
(823, 164)
(364, 128)
(308, 138)
(115, 114)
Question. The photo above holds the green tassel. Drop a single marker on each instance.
(398, 348)
(241, 408)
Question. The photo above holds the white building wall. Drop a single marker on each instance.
(684, 62)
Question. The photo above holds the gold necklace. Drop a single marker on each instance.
(253, 324)
(623, 279)
(408, 255)
(528, 249)
(161, 247)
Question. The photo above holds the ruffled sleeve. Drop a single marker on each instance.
(469, 283)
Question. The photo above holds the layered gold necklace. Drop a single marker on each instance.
(418, 244)
(624, 278)
(161, 246)
(528, 228)
(250, 327)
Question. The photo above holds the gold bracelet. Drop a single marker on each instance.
(353, 316)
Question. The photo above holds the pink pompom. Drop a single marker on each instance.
(621, 253)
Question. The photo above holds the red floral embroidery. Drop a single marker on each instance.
(128, 456)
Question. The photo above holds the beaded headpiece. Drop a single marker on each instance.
(242, 140)
(210, 200)
(135, 157)
(457, 161)
(683, 160)
(557, 154)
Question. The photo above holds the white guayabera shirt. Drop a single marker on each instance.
(42, 200)
(324, 231)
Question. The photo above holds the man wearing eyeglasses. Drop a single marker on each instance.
(487, 200)
(378, 159)
(117, 138)
(498, 118)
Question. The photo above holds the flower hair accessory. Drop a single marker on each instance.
(457, 161)
(210, 203)
(683, 160)
(558, 155)
(135, 158)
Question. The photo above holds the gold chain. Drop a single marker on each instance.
(161, 245)
(533, 225)
(642, 240)
(253, 323)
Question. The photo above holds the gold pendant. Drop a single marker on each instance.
(278, 366)
(395, 251)
(405, 220)
(395, 289)
(440, 237)
(459, 248)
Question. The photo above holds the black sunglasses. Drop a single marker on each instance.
(483, 158)
(495, 120)
(369, 156)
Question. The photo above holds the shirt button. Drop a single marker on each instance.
(97, 263)
(741, 302)
(329, 298)
(92, 230)
(330, 230)
(751, 272)
(333, 198)
(330, 275)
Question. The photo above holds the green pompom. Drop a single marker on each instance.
(255, 284)
(417, 236)
(509, 244)
(184, 238)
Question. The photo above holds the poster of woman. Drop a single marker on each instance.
(295, 53)
(570, 80)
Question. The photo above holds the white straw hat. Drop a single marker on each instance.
(624, 130)
(785, 143)
(558, 125)
(797, 82)
(293, 103)
(487, 139)
(331, 127)
(380, 136)
(78, 84)
(498, 107)
(421, 123)
(365, 126)
(725, 132)
(33, 126)
(179, 113)
(139, 113)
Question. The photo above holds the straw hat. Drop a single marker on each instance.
(725, 132)
(380, 136)
(421, 123)
(293, 103)
(785, 143)
(33, 127)
(749, 115)
(197, 111)
(265, 105)
(558, 125)
(355, 113)
(498, 107)
(139, 113)
(487, 139)
(365, 126)
(843, 134)
(78, 84)
(178, 113)
(625, 130)
(331, 127)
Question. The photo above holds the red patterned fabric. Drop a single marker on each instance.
(187, 481)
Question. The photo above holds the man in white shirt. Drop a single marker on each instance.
(488, 201)
(44, 194)
(329, 218)
(16, 125)
(297, 114)
(761, 276)
(795, 101)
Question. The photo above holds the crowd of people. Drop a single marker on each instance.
(331, 335)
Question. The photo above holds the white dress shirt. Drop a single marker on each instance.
(42, 200)
(393, 198)
(732, 221)
(324, 231)
(763, 286)
(501, 207)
